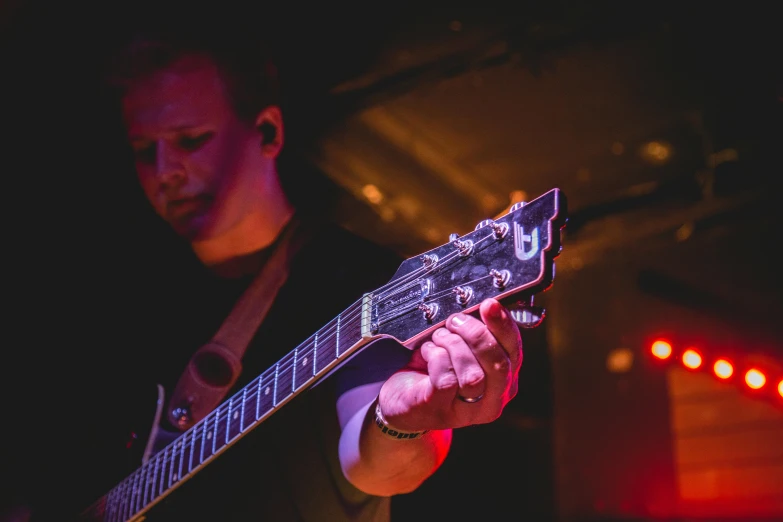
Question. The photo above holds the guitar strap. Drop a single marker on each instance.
(215, 367)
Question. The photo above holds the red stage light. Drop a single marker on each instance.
(723, 368)
(755, 379)
(691, 359)
(780, 388)
(661, 349)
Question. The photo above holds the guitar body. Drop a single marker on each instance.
(283, 463)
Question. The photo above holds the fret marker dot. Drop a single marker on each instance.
(266, 392)
(174, 476)
(236, 414)
(209, 434)
(304, 361)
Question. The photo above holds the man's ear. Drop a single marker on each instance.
(269, 124)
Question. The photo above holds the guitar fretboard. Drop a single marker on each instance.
(293, 373)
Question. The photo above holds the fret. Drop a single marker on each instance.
(315, 354)
(114, 500)
(134, 503)
(201, 455)
(337, 336)
(351, 330)
(112, 504)
(327, 350)
(164, 470)
(197, 441)
(108, 509)
(122, 498)
(181, 458)
(208, 447)
(265, 396)
(303, 368)
(192, 449)
(233, 421)
(155, 463)
(250, 403)
(127, 495)
(144, 482)
(242, 412)
(283, 381)
(293, 370)
(148, 471)
(172, 476)
(214, 432)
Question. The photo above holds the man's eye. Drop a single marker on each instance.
(194, 142)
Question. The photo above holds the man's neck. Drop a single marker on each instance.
(251, 235)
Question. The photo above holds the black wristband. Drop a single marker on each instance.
(387, 430)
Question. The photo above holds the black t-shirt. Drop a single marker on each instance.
(286, 468)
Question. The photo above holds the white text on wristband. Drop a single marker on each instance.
(380, 421)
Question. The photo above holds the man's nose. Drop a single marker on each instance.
(169, 165)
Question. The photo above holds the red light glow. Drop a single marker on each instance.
(780, 388)
(691, 359)
(661, 349)
(723, 368)
(755, 379)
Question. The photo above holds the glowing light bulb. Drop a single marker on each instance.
(661, 349)
(691, 359)
(755, 379)
(723, 368)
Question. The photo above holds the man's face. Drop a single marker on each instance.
(199, 164)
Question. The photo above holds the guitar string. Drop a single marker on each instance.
(216, 418)
(147, 491)
(138, 484)
(223, 425)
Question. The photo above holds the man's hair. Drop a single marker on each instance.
(245, 64)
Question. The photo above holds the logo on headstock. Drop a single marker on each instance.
(522, 240)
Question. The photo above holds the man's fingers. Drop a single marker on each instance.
(502, 326)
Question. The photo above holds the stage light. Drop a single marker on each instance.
(661, 349)
(780, 388)
(691, 359)
(723, 368)
(755, 379)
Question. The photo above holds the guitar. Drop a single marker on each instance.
(510, 259)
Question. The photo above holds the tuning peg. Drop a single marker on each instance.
(484, 223)
(525, 314)
(529, 317)
(453, 237)
(516, 206)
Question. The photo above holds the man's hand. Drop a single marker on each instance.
(464, 375)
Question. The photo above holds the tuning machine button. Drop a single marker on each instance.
(484, 223)
(516, 206)
(525, 314)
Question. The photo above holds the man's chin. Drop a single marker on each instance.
(191, 228)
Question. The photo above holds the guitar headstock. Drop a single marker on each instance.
(510, 259)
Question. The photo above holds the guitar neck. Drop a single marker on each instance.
(298, 370)
(506, 258)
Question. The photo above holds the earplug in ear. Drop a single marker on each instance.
(268, 133)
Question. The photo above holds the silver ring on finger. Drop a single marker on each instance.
(470, 400)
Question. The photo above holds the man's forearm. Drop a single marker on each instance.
(381, 464)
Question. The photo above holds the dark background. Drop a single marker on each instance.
(447, 111)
